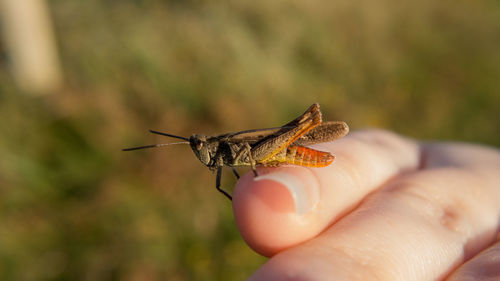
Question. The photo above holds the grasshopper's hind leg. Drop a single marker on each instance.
(217, 184)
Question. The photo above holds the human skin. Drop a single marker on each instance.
(388, 208)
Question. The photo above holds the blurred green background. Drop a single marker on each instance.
(74, 207)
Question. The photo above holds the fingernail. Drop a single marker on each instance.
(304, 197)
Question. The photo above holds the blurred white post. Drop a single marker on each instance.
(27, 31)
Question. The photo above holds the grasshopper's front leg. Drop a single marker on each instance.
(219, 163)
(217, 184)
(218, 179)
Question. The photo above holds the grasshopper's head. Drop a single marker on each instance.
(201, 148)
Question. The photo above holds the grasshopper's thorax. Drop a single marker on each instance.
(204, 149)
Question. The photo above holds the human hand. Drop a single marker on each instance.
(388, 208)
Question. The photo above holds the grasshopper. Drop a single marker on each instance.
(265, 147)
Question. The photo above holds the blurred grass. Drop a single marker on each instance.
(74, 207)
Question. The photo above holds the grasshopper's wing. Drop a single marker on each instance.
(271, 145)
(325, 132)
(256, 135)
(251, 136)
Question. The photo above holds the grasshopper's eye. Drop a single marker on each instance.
(199, 145)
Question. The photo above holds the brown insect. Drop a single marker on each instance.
(265, 147)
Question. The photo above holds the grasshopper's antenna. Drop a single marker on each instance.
(154, 145)
(168, 135)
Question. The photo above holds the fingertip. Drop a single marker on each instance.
(259, 207)
(253, 192)
(272, 211)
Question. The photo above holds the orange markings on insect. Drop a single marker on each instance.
(302, 156)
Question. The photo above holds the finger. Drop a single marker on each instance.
(288, 205)
(417, 227)
(460, 155)
(483, 267)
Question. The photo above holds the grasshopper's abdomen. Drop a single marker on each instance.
(302, 156)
